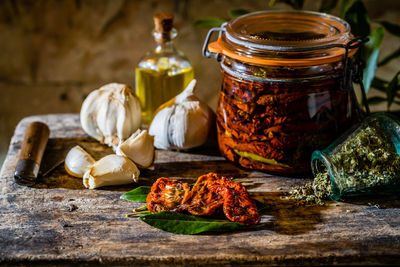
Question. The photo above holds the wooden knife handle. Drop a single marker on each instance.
(32, 150)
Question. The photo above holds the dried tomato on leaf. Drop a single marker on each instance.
(238, 206)
(167, 195)
(202, 200)
(210, 192)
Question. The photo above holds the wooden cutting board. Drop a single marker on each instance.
(58, 221)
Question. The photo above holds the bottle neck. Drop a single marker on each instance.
(165, 47)
(164, 40)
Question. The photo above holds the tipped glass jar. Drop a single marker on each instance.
(283, 93)
(163, 72)
(365, 160)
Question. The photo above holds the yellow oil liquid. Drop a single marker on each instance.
(154, 88)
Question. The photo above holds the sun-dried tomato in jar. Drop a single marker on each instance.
(283, 93)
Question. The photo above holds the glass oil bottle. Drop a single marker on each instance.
(164, 72)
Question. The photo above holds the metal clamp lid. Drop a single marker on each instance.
(207, 53)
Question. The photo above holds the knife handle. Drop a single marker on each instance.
(32, 150)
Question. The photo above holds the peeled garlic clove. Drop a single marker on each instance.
(139, 148)
(111, 113)
(185, 124)
(111, 170)
(77, 161)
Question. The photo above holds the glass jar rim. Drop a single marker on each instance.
(284, 37)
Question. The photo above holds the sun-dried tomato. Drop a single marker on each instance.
(167, 195)
(238, 206)
(278, 121)
(202, 200)
(210, 192)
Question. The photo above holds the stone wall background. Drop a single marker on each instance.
(53, 53)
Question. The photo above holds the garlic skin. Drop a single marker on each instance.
(111, 113)
(185, 124)
(78, 161)
(111, 170)
(139, 148)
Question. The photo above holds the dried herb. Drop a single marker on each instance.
(313, 192)
(365, 162)
(368, 159)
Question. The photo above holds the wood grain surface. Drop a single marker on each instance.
(59, 222)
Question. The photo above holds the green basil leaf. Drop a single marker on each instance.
(346, 4)
(207, 22)
(371, 55)
(390, 57)
(233, 13)
(138, 194)
(178, 223)
(392, 89)
(327, 5)
(356, 15)
(375, 100)
(391, 28)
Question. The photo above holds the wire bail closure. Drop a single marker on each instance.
(353, 72)
(207, 53)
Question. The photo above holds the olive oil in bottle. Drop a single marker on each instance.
(162, 73)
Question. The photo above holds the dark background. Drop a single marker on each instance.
(53, 53)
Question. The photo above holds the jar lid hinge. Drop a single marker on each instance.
(206, 53)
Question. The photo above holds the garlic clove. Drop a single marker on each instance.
(185, 124)
(111, 113)
(88, 115)
(159, 127)
(111, 170)
(200, 125)
(139, 147)
(190, 125)
(77, 161)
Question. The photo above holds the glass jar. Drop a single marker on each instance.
(365, 160)
(283, 93)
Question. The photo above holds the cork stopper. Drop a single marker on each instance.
(163, 23)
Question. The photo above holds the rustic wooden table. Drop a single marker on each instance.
(59, 222)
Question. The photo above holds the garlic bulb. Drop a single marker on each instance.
(111, 113)
(78, 161)
(139, 148)
(182, 123)
(111, 170)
